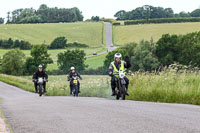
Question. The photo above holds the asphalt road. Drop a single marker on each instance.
(29, 113)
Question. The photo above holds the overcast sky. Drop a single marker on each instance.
(102, 8)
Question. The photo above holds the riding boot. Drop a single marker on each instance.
(113, 92)
(70, 90)
(79, 89)
(36, 89)
(45, 90)
(127, 90)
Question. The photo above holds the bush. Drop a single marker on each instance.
(184, 49)
(13, 62)
(166, 50)
(58, 43)
(143, 58)
(116, 23)
(8, 44)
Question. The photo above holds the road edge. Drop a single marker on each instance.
(5, 121)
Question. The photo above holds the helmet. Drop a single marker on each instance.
(118, 55)
(40, 66)
(72, 68)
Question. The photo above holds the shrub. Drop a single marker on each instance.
(58, 43)
(13, 62)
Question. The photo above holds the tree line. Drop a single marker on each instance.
(151, 12)
(8, 44)
(44, 14)
(57, 43)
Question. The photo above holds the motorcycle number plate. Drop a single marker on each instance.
(75, 81)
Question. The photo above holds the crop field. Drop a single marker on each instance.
(135, 33)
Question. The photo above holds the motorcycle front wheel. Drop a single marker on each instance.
(40, 90)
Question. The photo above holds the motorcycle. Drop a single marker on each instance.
(120, 89)
(75, 89)
(40, 82)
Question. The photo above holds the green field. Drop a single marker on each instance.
(135, 33)
(95, 62)
(84, 32)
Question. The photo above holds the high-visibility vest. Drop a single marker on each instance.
(116, 71)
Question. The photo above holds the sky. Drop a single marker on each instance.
(102, 8)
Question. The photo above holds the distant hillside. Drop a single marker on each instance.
(83, 32)
(135, 33)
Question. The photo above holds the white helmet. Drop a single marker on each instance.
(118, 55)
(72, 68)
(40, 66)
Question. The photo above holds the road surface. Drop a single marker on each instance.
(29, 113)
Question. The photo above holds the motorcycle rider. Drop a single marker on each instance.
(115, 66)
(73, 73)
(40, 73)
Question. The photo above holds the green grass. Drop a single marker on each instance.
(95, 62)
(83, 32)
(135, 33)
(168, 87)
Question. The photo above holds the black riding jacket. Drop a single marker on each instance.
(42, 74)
(73, 74)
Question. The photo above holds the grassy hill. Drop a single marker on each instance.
(83, 32)
(135, 33)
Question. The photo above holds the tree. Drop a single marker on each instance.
(184, 14)
(45, 15)
(189, 49)
(120, 15)
(95, 18)
(58, 43)
(69, 58)
(143, 57)
(195, 13)
(13, 62)
(39, 56)
(166, 50)
(1, 20)
(25, 45)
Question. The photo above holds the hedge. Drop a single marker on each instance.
(162, 20)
